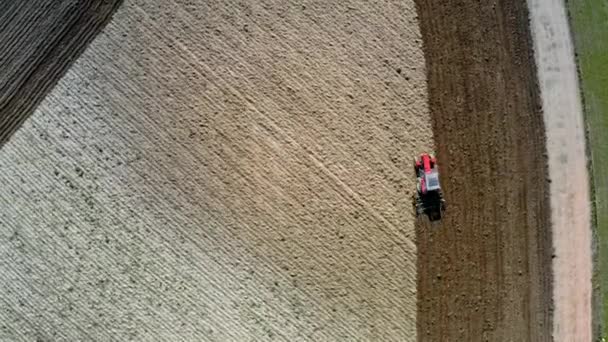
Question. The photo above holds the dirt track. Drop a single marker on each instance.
(570, 198)
(484, 272)
(228, 172)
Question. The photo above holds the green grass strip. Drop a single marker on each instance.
(589, 21)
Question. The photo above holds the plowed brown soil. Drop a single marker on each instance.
(484, 271)
(39, 40)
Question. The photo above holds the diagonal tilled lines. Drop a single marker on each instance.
(159, 189)
(162, 206)
(318, 95)
(329, 31)
(12, 302)
(62, 256)
(19, 275)
(364, 27)
(17, 327)
(143, 239)
(189, 176)
(110, 214)
(278, 42)
(21, 327)
(328, 89)
(18, 41)
(313, 105)
(18, 79)
(13, 292)
(57, 207)
(210, 71)
(65, 29)
(310, 153)
(227, 38)
(350, 193)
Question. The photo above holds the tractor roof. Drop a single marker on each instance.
(431, 180)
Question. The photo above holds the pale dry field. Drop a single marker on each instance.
(230, 172)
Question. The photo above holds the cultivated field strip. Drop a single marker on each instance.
(40, 39)
(484, 272)
(236, 172)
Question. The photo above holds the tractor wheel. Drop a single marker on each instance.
(418, 205)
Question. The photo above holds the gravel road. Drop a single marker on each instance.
(570, 206)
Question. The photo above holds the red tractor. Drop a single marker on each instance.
(429, 197)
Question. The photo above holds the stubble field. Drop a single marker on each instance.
(232, 172)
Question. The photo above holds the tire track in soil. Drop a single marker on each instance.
(484, 271)
(40, 40)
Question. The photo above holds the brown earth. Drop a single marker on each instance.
(39, 41)
(484, 271)
(218, 171)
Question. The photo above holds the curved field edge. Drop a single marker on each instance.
(484, 272)
(40, 41)
(589, 23)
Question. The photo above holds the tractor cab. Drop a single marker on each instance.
(431, 181)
